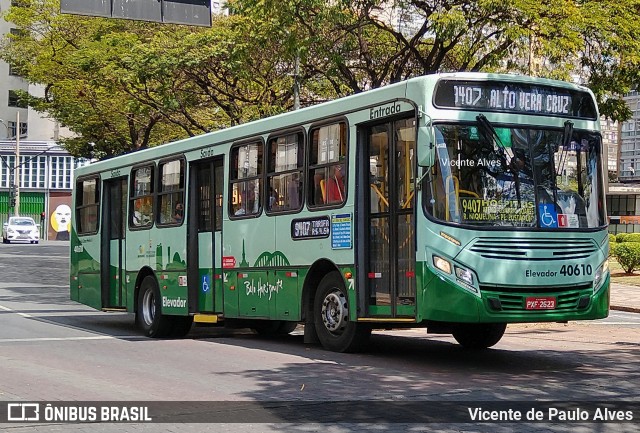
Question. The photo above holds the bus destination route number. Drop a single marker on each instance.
(310, 228)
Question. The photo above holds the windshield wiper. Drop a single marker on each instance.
(487, 127)
(510, 165)
(566, 143)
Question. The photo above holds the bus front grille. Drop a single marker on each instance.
(509, 299)
(532, 250)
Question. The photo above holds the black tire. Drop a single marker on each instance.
(180, 325)
(273, 328)
(331, 317)
(5, 240)
(148, 313)
(478, 335)
(287, 327)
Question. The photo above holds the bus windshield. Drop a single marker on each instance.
(491, 175)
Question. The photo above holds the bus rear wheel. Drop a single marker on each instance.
(331, 317)
(148, 313)
(479, 335)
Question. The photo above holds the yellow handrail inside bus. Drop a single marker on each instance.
(379, 194)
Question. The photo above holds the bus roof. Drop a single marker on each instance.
(315, 113)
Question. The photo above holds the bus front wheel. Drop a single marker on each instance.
(148, 313)
(331, 317)
(478, 335)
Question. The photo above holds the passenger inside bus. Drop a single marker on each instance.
(273, 198)
(335, 185)
(179, 213)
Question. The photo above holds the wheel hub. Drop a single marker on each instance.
(335, 312)
(148, 307)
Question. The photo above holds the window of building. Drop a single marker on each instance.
(621, 205)
(284, 174)
(7, 170)
(12, 129)
(60, 176)
(14, 100)
(32, 171)
(246, 180)
(327, 168)
(171, 192)
(141, 215)
(87, 206)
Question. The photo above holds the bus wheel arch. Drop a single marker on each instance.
(316, 273)
(149, 317)
(330, 312)
(142, 274)
(477, 336)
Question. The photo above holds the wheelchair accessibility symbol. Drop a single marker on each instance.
(548, 215)
(206, 284)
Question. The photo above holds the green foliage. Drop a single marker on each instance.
(123, 85)
(628, 237)
(628, 255)
(620, 237)
(612, 239)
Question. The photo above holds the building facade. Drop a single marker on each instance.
(42, 179)
(629, 168)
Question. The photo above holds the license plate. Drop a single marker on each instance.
(544, 303)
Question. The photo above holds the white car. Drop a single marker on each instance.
(20, 229)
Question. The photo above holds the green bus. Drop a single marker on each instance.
(456, 202)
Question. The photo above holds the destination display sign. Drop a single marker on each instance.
(514, 97)
(310, 228)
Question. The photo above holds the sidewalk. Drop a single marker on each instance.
(625, 298)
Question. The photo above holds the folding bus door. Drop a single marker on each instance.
(112, 247)
(387, 244)
(204, 250)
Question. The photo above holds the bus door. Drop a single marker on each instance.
(387, 233)
(112, 247)
(204, 252)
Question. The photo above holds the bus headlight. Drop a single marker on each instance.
(465, 275)
(442, 264)
(601, 274)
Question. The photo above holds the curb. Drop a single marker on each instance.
(627, 309)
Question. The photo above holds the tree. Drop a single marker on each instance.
(369, 43)
(124, 85)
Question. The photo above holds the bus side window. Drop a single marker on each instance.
(327, 165)
(284, 171)
(246, 180)
(141, 197)
(171, 191)
(87, 205)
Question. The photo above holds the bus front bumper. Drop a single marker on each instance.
(447, 302)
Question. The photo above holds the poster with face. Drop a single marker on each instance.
(61, 222)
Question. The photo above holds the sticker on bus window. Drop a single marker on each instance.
(548, 215)
(228, 262)
(506, 211)
(310, 228)
(568, 221)
(341, 231)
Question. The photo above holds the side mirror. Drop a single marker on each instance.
(426, 145)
